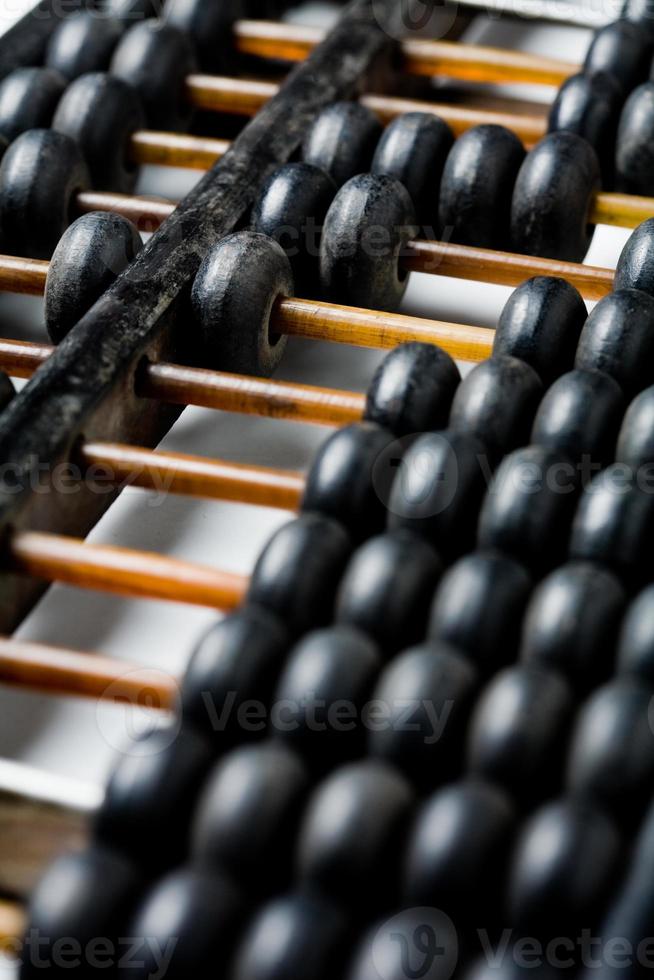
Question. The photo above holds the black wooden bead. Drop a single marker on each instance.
(457, 848)
(635, 269)
(28, 99)
(208, 25)
(639, 12)
(634, 153)
(349, 477)
(477, 187)
(563, 865)
(83, 42)
(552, 198)
(40, 176)
(146, 812)
(425, 695)
(541, 324)
(438, 490)
(7, 390)
(236, 664)
(496, 402)
(618, 338)
(322, 690)
(579, 417)
(247, 816)
(514, 965)
(611, 756)
(294, 937)
(416, 940)
(387, 589)
(636, 642)
(291, 209)
(518, 730)
(366, 230)
(342, 140)
(88, 259)
(350, 839)
(412, 389)
(589, 104)
(478, 608)
(101, 112)
(298, 572)
(193, 916)
(622, 50)
(131, 10)
(413, 149)
(233, 295)
(636, 439)
(82, 898)
(155, 58)
(571, 623)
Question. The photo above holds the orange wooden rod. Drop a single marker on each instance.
(12, 925)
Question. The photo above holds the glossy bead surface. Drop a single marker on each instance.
(589, 104)
(541, 324)
(635, 269)
(552, 198)
(88, 259)
(412, 390)
(237, 662)
(352, 832)
(634, 147)
(238, 282)
(571, 623)
(387, 589)
(28, 99)
(636, 438)
(496, 402)
(298, 572)
(636, 642)
(208, 25)
(622, 50)
(342, 140)
(423, 936)
(425, 695)
(83, 42)
(247, 816)
(477, 187)
(618, 338)
(478, 607)
(413, 148)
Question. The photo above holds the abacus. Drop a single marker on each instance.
(427, 716)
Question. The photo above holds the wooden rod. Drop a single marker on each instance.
(123, 571)
(12, 926)
(195, 476)
(68, 673)
(623, 210)
(147, 213)
(176, 150)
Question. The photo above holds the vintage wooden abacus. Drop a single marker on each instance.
(473, 552)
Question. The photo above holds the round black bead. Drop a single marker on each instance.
(478, 608)
(639, 12)
(618, 338)
(562, 868)
(518, 731)
(571, 623)
(291, 209)
(477, 187)
(622, 50)
(387, 588)
(424, 936)
(611, 756)
(349, 476)
(552, 198)
(194, 917)
(235, 289)
(130, 10)
(425, 695)
(457, 847)
(541, 324)
(321, 693)
(101, 112)
(636, 438)
(634, 153)
(83, 42)
(235, 665)
(28, 99)
(366, 230)
(636, 642)
(208, 25)
(298, 572)
(412, 389)
(589, 104)
(342, 140)
(350, 839)
(579, 417)
(438, 490)
(496, 402)
(247, 816)
(88, 259)
(155, 59)
(413, 149)
(635, 269)
(40, 176)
